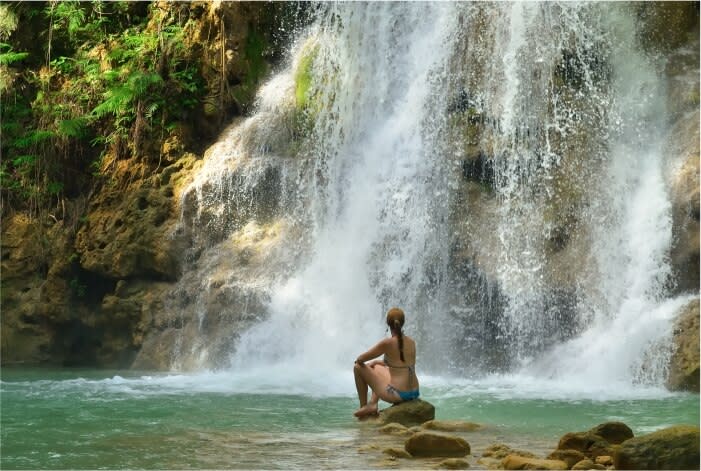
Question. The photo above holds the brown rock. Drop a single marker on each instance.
(408, 413)
(500, 451)
(571, 457)
(587, 464)
(604, 460)
(521, 462)
(396, 452)
(589, 443)
(451, 426)
(670, 448)
(436, 444)
(684, 364)
(453, 463)
(613, 432)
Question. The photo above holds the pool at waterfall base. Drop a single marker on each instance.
(99, 419)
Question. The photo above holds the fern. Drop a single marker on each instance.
(32, 138)
(9, 56)
(73, 127)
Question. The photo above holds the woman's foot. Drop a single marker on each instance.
(366, 411)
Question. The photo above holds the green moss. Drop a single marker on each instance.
(304, 76)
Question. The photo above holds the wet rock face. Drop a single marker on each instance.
(671, 448)
(684, 364)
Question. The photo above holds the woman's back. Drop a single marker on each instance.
(402, 373)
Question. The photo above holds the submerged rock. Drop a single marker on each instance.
(395, 429)
(451, 426)
(521, 462)
(453, 463)
(429, 444)
(670, 448)
(396, 452)
(408, 413)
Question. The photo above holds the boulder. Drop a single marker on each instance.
(592, 444)
(451, 426)
(613, 432)
(430, 444)
(604, 460)
(408, 413)
(587, 464)
(453, 463)
(571, 457)
(582, 441)
(521, 462)
(684, 363)
(670, 448)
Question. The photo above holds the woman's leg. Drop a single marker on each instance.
(377, 378)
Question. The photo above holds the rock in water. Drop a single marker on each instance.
(613, 432)
(570, 457)
(521, 462)
(408, 413)
(670, 448)
(428, 444)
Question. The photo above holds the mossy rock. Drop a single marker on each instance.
(670, 448)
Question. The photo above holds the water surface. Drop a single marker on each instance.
(97, 419)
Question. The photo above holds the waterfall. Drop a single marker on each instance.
(495, 169)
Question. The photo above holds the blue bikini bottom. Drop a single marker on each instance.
(404, 395)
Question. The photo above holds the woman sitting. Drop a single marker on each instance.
(392, 379)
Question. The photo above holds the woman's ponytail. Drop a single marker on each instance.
(397, 327)
(395, 320)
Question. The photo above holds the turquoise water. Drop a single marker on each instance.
(79, 419)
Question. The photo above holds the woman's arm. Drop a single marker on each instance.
(374, 352)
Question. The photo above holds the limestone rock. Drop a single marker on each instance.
(684, 364)
(587, 464)
(408, 413)
(670, 448)
(571, 457)
(453, 463)
(436, 444)
(451, 426)
(521, 462)
(613, 432)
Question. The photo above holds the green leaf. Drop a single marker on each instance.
(73, 127)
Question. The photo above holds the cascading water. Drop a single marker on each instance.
(494, 169)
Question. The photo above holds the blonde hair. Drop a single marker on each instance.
(395, 321)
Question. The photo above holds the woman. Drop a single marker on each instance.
(392, 379)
